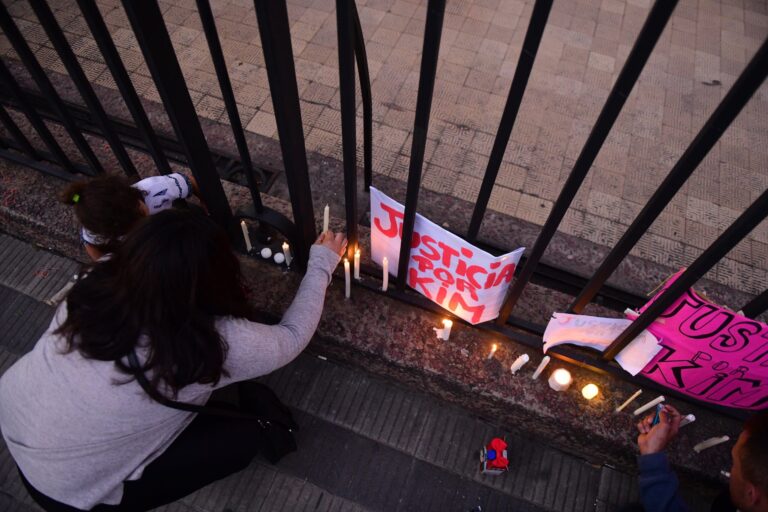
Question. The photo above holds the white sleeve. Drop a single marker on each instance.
(159, 192)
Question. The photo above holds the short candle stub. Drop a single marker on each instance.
(494, 348)
(560, 380)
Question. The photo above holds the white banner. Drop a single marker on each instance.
(461, 278)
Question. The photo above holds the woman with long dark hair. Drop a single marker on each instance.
(165, 319)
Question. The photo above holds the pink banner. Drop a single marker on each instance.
(710, 353)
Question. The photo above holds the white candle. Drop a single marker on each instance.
(709, 443)
(543, 364)
(519, 362)
(688, 418)
(326, 218)
(347, 283)
(385, 276)
(246, 236)
(357, 263)
(590, 391)
(266, 253)
(494, 348)
(287, 254)
(726, 474)
(279, 258)
(653, 403)
(560, 380)
(629, 400)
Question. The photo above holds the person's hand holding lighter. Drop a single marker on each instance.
(654, 436)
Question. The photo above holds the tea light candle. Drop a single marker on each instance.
(326, 218)
(543, 364)
(279, 258)
(445, 332)
(709, 443)
(357, 264)
(688, 418)
(590, 391)
(629, 400)
(653, 403)
(385, 274)
(560, 380)
(519, 362)
(287, 254)
(347, 283)
(266, 253)
(494, 348)
(246, 236)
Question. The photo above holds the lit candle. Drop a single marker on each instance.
(688, 418)
(287, 254)
(709, 443)
(560, 380)
(279, 258)
(246, 236)
(357, 263)
(543, 364)
(347, 283)
(519, 362)
(385, 276)
(629, 400)
(494, 348)
(266, 253)
(326, 218)
(590, 391)
(652, 403)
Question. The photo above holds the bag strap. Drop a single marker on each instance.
(133, 361)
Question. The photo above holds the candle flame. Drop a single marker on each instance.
(448, 323)
(494, 348)
(562, 376)
(590, 391)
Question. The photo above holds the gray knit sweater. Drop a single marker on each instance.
(77, 436)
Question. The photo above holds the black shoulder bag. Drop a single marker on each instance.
(260, 405)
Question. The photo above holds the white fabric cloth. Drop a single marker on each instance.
(77, 435)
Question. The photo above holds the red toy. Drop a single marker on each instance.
(493, 457)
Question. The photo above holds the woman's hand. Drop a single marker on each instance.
(336, 242)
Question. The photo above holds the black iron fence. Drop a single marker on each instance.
(146, 20)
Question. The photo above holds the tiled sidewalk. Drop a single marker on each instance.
(702, 51)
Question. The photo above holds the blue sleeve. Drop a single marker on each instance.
(658, 485)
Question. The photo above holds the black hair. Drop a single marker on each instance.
(169, 280)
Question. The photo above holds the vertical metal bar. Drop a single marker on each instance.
(531, 42)
(17, 134)
(35, 120)
(345, 34)
(740, 228)
(46, 87)
(52, 28)
(120, 74)
(738, 96)
(152, 34)
(220, 65)
(365, 92)
(272, 17)
(432, 34)
(646, 40)
(756, 306)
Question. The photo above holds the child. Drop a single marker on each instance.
(108, 207)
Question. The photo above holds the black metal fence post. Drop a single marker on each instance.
(756, 306)
(528, 52)
(67, 56)
(17, 134)
(738, 96)
(274, 29)
(429, 54)
(740, 228)
(348, 114)
(365, 92)
(120, 75)
(46, 87)
(35, 120)
(152, 34)
(220, 65)
(644, 44)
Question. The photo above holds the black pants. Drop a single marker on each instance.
(209, 449)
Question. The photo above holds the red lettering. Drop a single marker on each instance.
(458, 300)
(424, 263)
(433, 253)
(394, 228)
(441, 293)
(466, 252)
(472, 270)
(448, 253)
(506, 274)
(445, 276)
(415, 280)
(463, 285)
